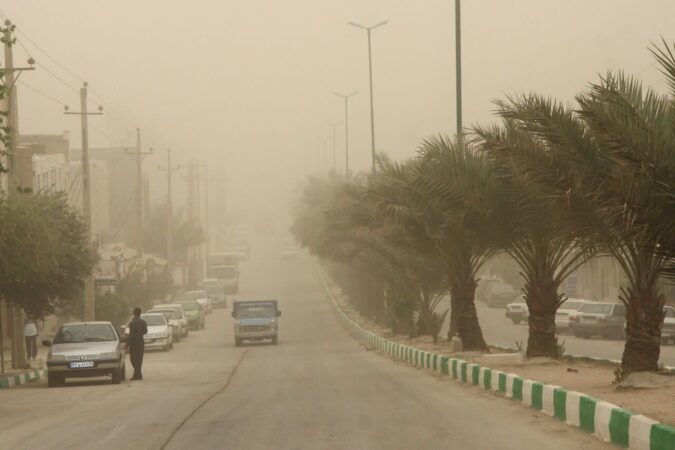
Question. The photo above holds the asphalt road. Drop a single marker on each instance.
(498, 330)
(317, 389)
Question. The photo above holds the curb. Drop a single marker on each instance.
(22, 378)
(605, 420)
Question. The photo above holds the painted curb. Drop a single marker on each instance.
(22, 378)
(605, 420)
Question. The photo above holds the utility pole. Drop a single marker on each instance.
(89, 308)
(207, 225)
(370, 75)
(346, 99)
(138, 154)
(458, 67)
(334, 125)
(169, 211)
(15, 312)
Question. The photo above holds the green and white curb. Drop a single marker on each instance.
(23, 378)
(605, 420)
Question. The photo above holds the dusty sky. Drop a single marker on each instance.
(247, 84)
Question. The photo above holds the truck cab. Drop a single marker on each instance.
(255, 320)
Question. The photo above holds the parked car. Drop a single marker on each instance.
(180, 315)
(173, 321)
(562, 316)
(500, 294)
(85, 349)
(215, 289)
(517, 311)
(255, 320)
(202, 298)
(160, 332)
(668, 329)
(196, 316)
(603, 319)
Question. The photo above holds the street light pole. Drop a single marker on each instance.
(89, 311)
(334, 125)
(370, 75)
(346, 99)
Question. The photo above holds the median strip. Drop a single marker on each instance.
(603, 419)
(9, 381)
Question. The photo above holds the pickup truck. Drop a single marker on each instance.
(255, 320)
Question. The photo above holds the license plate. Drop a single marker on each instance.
(81, 364)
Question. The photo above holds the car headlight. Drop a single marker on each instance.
(51, 357)
(110, 355)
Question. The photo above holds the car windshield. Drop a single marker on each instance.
(195, 294)
(154, 319)
(90, 332)
(596, 308)
(190, 306)
(255, 311)
(572, 305)
(170, 314)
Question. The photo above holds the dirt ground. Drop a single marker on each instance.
(594, 379)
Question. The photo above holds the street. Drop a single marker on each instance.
(317, 389)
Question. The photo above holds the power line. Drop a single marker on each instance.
(43, 51)
(47, 96)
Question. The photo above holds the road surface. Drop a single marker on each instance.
(317, 389)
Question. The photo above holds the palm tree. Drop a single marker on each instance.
(542, 243)
(604, 161)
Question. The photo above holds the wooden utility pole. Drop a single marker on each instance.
(89, 307)
(15, 312)
(138, 154)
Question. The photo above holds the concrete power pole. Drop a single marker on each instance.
(169, 209)
(89, 308)
(15, 313)
(138, 154)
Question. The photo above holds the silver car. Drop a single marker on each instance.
(160, 331)
(85, 349)
(180, 314)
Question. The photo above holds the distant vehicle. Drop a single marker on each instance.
(215, 289)
(500, 294)
(85, 349)
(196, 316)
(241, 245)
(223, 259)
(180, 313)
(255, 320)
(160, 332)
(484, 285)
(173, 320)
(603, 319)
(668, 329)
(229, 275)
(562, 316)
(202, 297)
(517, 311)
(289, 249)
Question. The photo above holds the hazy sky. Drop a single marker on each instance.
(248, 84)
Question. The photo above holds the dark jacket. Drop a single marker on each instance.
(137, 329)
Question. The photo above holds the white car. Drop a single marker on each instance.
(562, 316)
(517, 311)
(160, 332)
(180, 315)
(668, 330)
(202, 297)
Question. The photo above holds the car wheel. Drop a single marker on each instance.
(117, 375)
(54, 380)
(237, 342)
(171, 345)
(275, 340)
(177, 337)
(515, 321)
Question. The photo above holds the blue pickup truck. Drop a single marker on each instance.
(255, 320)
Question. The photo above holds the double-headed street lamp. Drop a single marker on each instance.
(370, 74)
(346, 98)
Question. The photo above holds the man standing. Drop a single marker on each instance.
(137, 329)
(30, 332)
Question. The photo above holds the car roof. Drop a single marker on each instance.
(91, 322)
(167, 305)
(150, 313)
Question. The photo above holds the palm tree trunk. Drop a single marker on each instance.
(644, 319)
(464, 310)
(542, 301)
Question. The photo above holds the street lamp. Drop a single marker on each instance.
(346, 98)
(334, 125)
(370, 74)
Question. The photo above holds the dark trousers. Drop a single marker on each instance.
(136, 357)
(31, 347)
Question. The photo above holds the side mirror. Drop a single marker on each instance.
(46, 343)
(278, 313)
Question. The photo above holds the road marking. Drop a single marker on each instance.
(113, 433)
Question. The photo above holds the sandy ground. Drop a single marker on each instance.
(594, 379)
